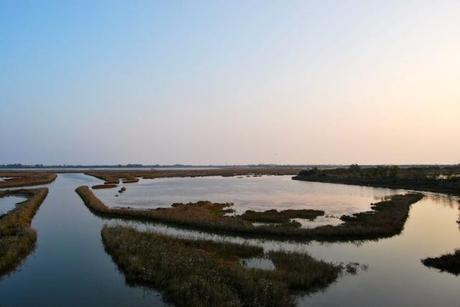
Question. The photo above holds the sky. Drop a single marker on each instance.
(230, 82)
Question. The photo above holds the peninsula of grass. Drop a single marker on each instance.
(433, 179)
(386, 219)
(22, 179)
(129, 176)
(17, 238)
(205, 273)
(445, 263)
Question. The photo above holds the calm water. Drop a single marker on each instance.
(70, 267)
(248, 193)
(8, 203)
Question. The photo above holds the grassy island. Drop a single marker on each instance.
(17, 238)
(206, 273)
(385, 220)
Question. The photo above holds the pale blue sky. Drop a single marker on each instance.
(230, 81)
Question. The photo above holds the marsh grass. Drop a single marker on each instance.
(445, 263)
(387, 219)
(22, 179)
(17, 239)
(284, 216)
(206, 273)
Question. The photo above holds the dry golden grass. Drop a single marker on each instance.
(17, 239)
(22, 179)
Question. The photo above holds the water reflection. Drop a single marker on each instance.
(69, 266)
(70, 259)
(390, 272)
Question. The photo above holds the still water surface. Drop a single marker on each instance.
(248, 193)
(8, 203)
(70, 267)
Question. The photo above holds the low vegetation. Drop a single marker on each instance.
(17, 239)
(435, 179)
(22, 179)
(385, 220)
(446, 263)
(104, 186)
(284, 216)
(205, 273)
(114, 177)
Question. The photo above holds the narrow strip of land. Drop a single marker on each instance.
(23, 179)
(17, 238)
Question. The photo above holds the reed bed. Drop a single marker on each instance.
(445, 263)
(205, 273)
(17, 238)
(22, 179)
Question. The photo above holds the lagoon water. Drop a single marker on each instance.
(70, 267)
(8, 203)
(248, 193)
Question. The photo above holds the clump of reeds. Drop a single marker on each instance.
(448, 263)
(104, 186)
(284, 216)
